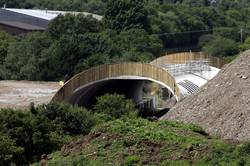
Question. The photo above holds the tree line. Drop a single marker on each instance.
(131, 30)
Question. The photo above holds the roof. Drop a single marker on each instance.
(21, 25)
(48, 14)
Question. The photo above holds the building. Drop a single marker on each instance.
(18, 21)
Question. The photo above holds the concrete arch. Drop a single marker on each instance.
(123, 71)
(183, 57)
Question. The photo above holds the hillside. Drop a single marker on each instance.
(222, 107)
(141, 142)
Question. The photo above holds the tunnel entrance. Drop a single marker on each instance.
(139, 90)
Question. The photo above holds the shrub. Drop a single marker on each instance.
(29, 134)
(9, 150)
(221, 47)
(73, 120)
(114, 105)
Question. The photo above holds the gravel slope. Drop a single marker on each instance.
(221, 107)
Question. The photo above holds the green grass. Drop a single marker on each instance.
(142, 142)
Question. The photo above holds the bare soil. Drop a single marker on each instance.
(19, 94)
(222, 106)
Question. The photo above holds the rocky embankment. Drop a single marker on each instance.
(221, 107)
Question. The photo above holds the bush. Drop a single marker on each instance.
(245, 45)
(29, 134)
(9, 151)
(114, 105)
(221, 47)
(72, 120)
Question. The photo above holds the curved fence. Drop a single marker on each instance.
(116, 70)
(180, 58)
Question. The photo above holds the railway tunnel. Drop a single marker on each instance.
(179, 74)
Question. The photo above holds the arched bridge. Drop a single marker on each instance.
(128, 78)
(125, 77)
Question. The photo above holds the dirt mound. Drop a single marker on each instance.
(221, 107)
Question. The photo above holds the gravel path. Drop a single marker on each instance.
(19, 94)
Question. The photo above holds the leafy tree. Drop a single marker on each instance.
(205, 39)
(221, 47)
(5, 40)
(72, 120)
(126, 14)
(67, 54)
(24, 59)
(9, 151)
(73, 24)
(114, 105)
(25, 136)
(245, 45)
(91, 61)
(139, 40)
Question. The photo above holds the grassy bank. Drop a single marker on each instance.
(142, 142)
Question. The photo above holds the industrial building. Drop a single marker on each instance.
(19, 21)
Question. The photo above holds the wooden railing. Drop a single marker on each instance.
(116, 70)
(179, 58)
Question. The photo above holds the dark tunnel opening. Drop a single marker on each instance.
(135, 89)
(86, 97)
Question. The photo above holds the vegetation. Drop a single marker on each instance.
(141, 142)
(27, 134)
(114, 105)
(131, 30)
(112, 133)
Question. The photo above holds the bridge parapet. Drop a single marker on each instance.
(147, 71)
(184, 57)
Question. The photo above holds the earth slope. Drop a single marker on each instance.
(221, 107)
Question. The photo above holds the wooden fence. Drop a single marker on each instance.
(179, 58)
(116, 70)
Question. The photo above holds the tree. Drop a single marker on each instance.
(9, 150)
(24, 59)
(70, 24)
(126, 14)
(139, 40)
(114, 105)
(5, 40)
(245, 45)
(221, 47)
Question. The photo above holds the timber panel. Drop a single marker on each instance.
(116, 70)
(179, 58)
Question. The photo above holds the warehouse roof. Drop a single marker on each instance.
(48, 14)
(21, 25)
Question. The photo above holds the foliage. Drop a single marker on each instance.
(245, 45)
(9, 151)
(29, 63)
(72, 120)
(70, 24)
(5, 39)
(221, 47)
(114, 105)
(27, 136)
(130, 31)
(141, 142)
(126, 14)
